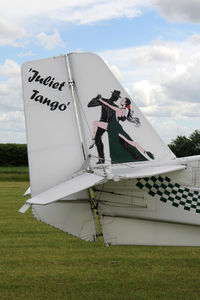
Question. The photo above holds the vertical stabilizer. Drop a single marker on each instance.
(54, 146)
(118, 139)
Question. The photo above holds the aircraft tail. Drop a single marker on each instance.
(75, 108)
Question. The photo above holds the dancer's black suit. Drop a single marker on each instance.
(106, 116)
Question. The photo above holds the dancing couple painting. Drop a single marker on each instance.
(122, 147)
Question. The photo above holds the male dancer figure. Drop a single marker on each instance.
(106, 116)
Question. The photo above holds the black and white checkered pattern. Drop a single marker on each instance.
(176, 194)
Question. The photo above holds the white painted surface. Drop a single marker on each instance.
(54, 148)
(74, 217)
(92, 76)
(28, 192)
(74, 185)
(129, 172)
(125, 199)
(123, 231)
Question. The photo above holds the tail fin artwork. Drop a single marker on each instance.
(101, 97)
(84, 130)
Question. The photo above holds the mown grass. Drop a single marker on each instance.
(39, 262)
(14, 174)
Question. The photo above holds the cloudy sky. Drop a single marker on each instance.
(152, 46)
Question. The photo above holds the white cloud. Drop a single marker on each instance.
(11, 94)
(11, 88)
(100, 10)
(92, 11)
(10, 33)
(43, 14)
(165, 86)
(11, 114)
(12, 127)
(163, 53)
(26, 54)
(32, 15)
(179, 10)
(185, 86)
(155, 53)
(50, 41)
(195, 38)
(79, 11)
(169, 128)
(146, 93)
(10, 69)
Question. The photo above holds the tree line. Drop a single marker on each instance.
(186, 146)
(13, 155)
(16, 154)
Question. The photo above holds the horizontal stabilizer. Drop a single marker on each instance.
(24, 208)
(146, 171)
(67, 188)
(28, 192)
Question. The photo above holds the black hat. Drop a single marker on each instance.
(116, 93)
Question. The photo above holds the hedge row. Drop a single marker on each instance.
(13, 155)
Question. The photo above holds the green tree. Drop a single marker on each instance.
(195, 138)
(183, 146)
(13, 155)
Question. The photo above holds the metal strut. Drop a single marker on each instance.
(71, 83)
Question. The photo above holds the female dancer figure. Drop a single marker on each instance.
(122, 147)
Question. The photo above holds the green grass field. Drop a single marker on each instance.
(39, 262)
(14, 174)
